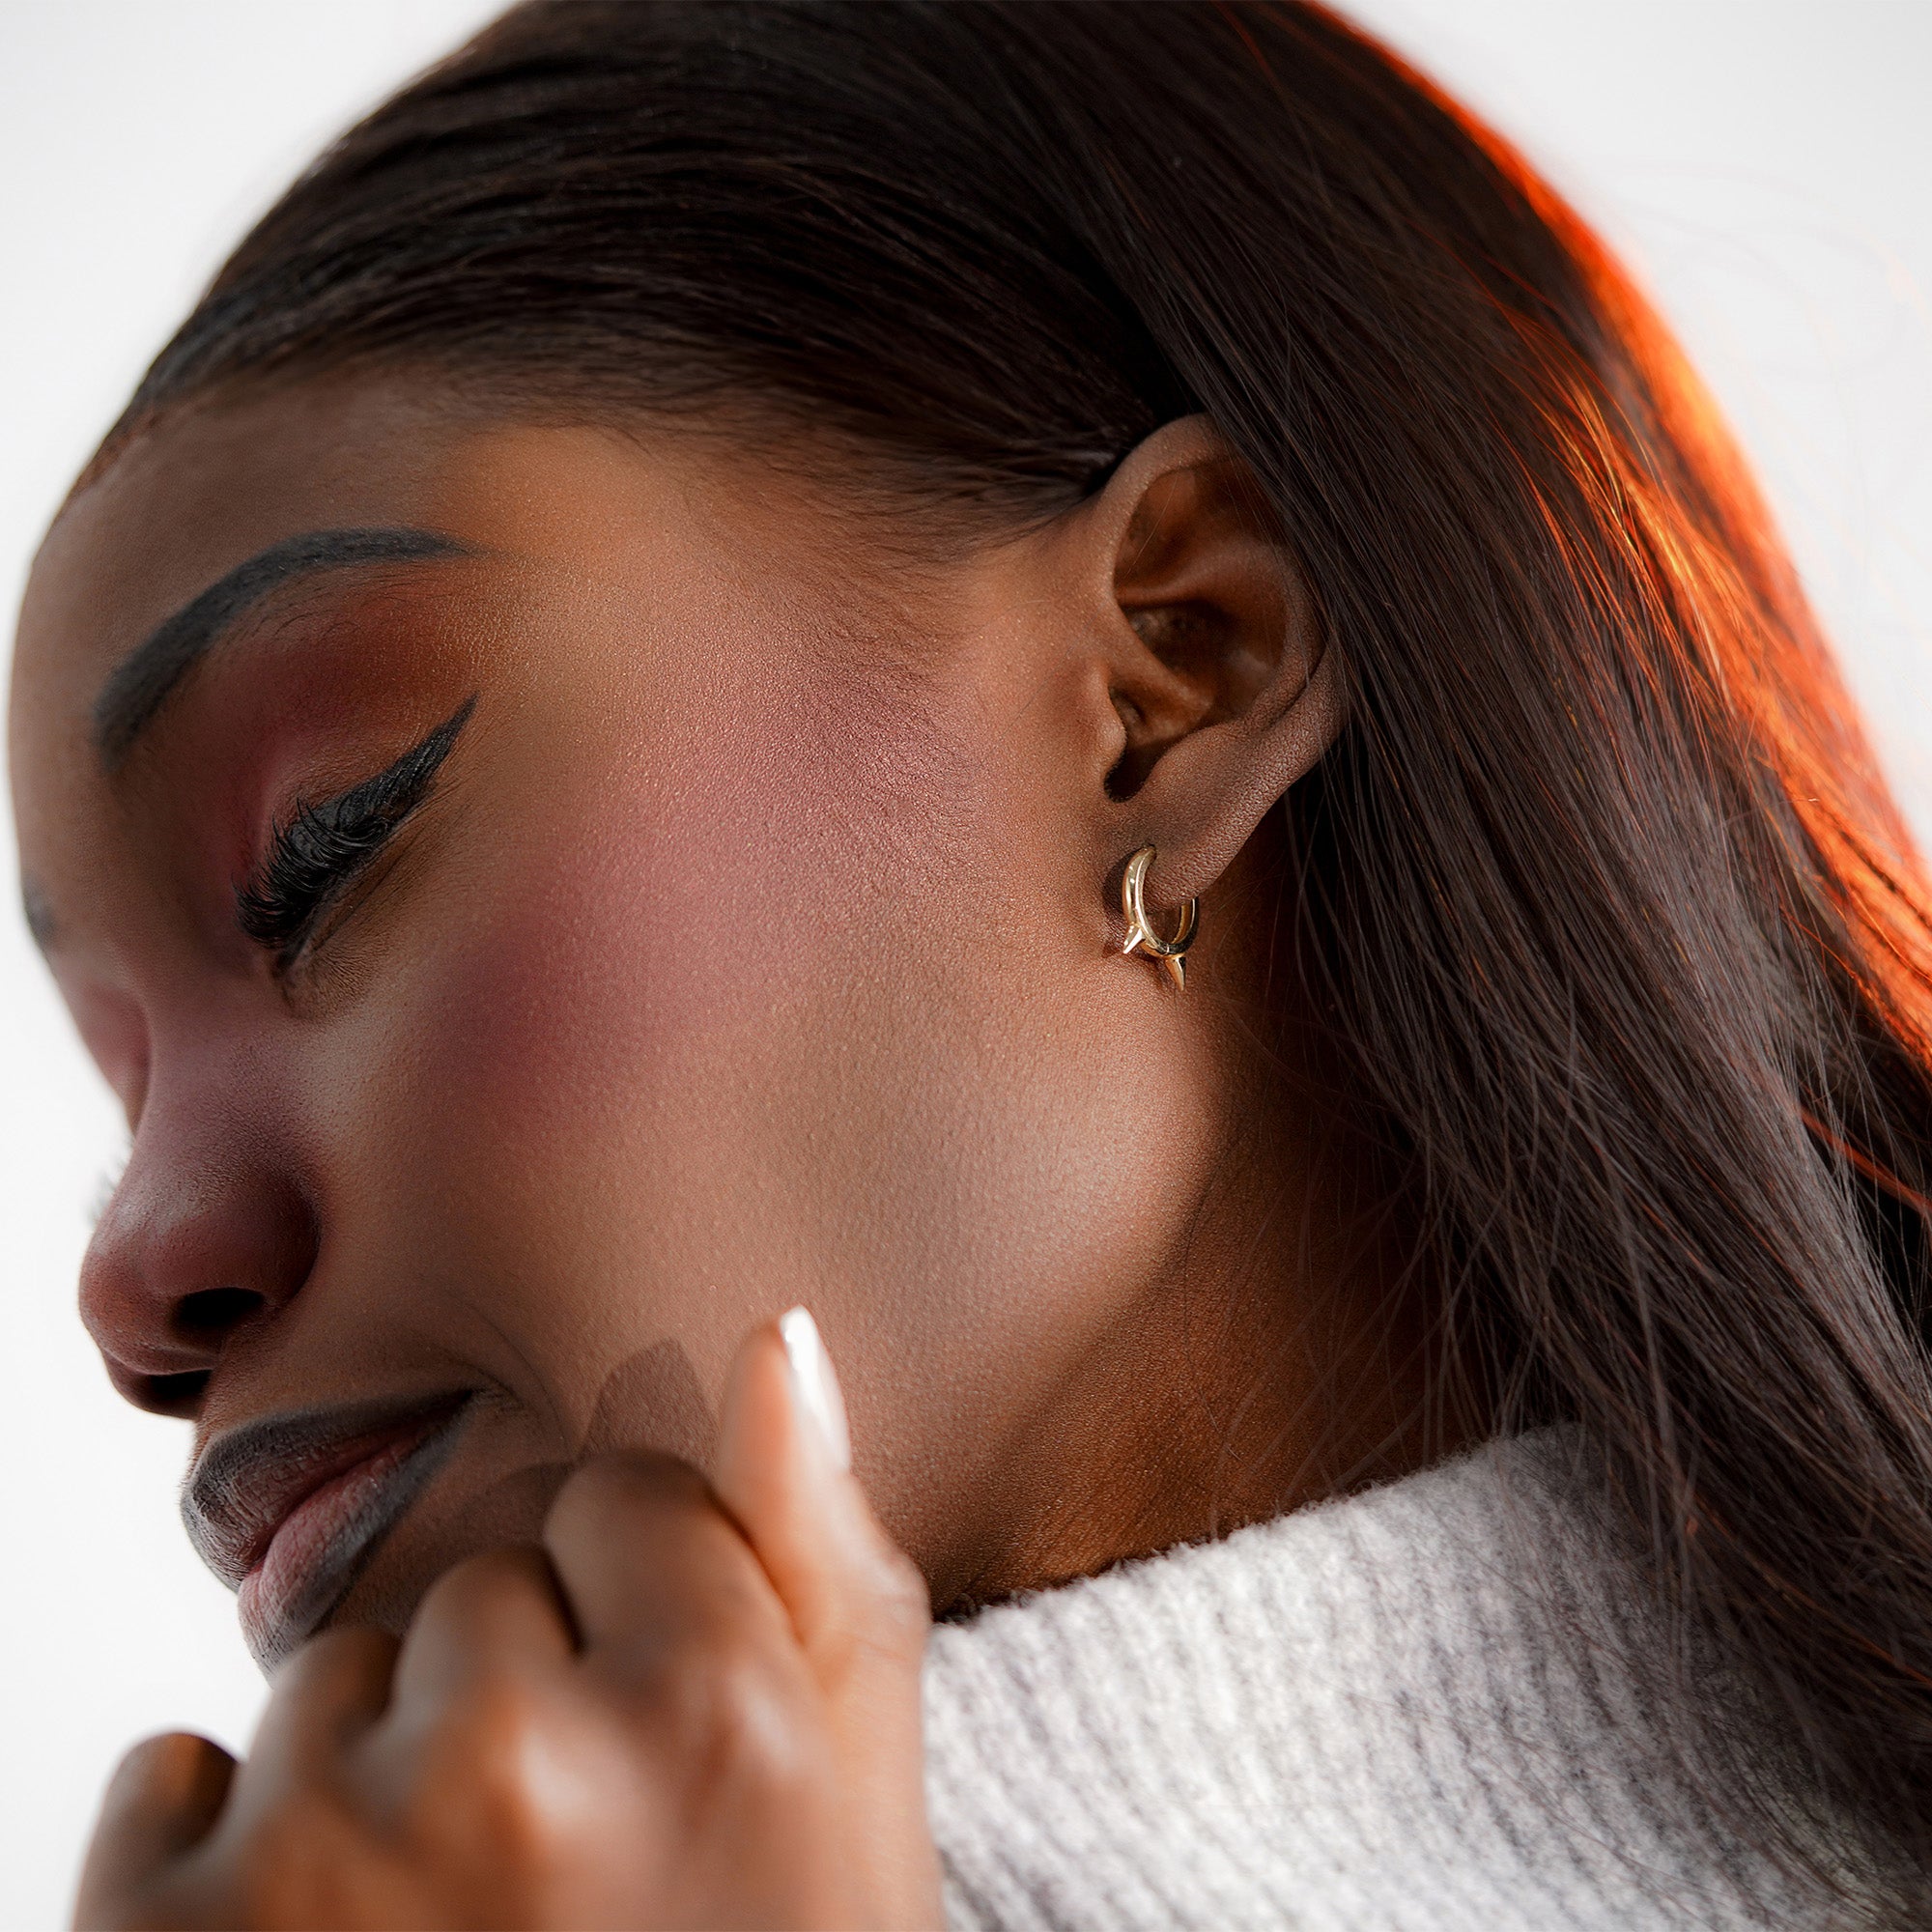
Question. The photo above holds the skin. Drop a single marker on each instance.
(691, 1705)
(760, 944)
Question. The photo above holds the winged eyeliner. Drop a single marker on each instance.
(322, 846)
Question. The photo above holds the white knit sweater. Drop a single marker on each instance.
(1431, 1706)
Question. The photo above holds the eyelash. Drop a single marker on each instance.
(324, 846)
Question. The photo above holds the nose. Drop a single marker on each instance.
(204, 1240)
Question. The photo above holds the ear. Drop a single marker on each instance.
(1224, 689)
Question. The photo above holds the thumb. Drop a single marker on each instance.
(857, 1603)
(783, 1467)
(162, 1800)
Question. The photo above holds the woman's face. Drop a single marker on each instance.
(725, 926)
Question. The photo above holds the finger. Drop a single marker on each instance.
(163, 1799)
(325, 1698)
(857, 1603)
(782, 1470)
(467, 1687)
(495, 1616)
(648, 1562)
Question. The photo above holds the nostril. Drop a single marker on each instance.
(212, 1314)
(169, 1395)
(194, 1252)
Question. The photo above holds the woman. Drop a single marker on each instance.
(672, 701)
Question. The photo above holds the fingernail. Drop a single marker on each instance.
(816, 1383)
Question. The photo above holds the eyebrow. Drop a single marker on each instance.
(140, 685)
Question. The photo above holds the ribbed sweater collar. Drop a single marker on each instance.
(1435, 1705)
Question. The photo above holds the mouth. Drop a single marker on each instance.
(286, 1511)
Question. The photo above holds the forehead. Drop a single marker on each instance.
(195, 495)
(205, 490)
(223, 479)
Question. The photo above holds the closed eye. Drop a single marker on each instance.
(322, 846)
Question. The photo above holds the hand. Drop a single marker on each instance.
(696, 1705)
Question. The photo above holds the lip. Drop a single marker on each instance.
(286, 1511)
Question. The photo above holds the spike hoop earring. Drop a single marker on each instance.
(1141, 935)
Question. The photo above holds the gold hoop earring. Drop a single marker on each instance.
(1170, 952)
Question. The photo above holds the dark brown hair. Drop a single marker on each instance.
(1604, 893)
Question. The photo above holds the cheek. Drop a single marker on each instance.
(612, 1070)
(775, 1031)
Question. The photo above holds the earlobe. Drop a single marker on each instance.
(1225, 688)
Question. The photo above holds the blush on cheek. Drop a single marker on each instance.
(614, 1054)
(726, 871)
(647, 931)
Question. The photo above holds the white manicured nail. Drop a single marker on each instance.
(814, 1382)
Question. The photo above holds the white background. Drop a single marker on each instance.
(1767, 163)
